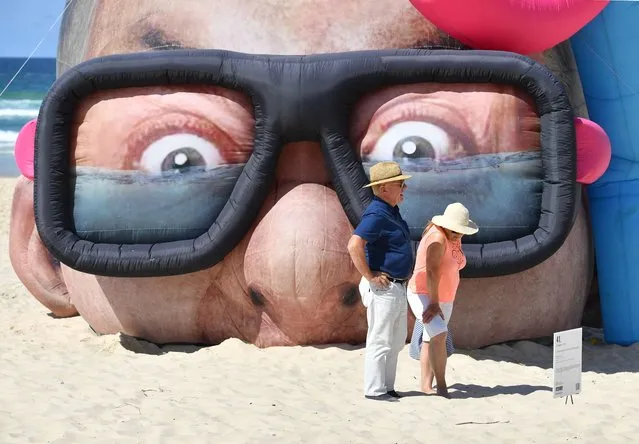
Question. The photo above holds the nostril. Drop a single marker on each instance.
(256, 297)
(350, 296)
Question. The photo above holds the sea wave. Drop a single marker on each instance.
(7, 137)
(20, 104)
(7, 142)
(12, 109)
(18, 113)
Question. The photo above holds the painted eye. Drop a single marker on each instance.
(180, 152)
(414, 140)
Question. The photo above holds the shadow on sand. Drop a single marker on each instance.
(465, 391)
(598, 357)
(139, 345)
(142, 346)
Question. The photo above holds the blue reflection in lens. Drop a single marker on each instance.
(138, 207)
(501, 191)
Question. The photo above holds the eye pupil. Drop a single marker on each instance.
(413, 147)
(182, 158)
(409, 147)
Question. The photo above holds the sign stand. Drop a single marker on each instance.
(567, 363)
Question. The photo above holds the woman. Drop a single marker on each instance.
(433, 286)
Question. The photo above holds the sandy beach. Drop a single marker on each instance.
(61, 383)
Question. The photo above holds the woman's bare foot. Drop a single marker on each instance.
(429, 390)
(427, 383)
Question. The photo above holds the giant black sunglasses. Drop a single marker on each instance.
(295, 98)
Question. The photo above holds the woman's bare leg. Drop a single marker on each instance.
(438, 357)
(427, 370)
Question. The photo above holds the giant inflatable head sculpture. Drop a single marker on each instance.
(199, 165)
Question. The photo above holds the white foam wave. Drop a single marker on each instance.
(9, 113)
(20, 104)
(8, 137)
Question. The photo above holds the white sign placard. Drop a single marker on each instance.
(566, 362)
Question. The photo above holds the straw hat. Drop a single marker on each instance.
(456, 218)
(384, 172)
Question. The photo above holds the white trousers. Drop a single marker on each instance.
(386, 311)
(419, 303)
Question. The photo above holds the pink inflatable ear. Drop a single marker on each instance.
(25, 149)
(522, 26)
(593, 151)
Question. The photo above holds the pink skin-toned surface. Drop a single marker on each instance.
(116, 127)
(290, 280)
(30, 258)
(522, 26)
(481, 118)
(593, 150)
(23, 151)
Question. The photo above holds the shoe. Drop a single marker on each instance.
(384, 397)
(394, 394)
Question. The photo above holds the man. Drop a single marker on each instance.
(381, 251)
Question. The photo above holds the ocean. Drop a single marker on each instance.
(20, 102)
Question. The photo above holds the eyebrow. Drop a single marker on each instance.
(157, 40)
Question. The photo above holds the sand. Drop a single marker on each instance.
(61, 383)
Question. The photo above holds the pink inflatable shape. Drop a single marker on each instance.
(522, 26)
(25, 149)
(593, 150)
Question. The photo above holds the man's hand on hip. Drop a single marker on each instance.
(380, 280)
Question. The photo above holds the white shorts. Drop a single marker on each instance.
(418, 304)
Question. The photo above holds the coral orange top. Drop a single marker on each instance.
(452, 261)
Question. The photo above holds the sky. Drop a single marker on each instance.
(23, 23)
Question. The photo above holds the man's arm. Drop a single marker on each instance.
(368, 230)
(358, 255)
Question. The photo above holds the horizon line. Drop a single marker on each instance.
(25, 57)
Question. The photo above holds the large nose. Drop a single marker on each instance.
(296, 261)
(302, 162)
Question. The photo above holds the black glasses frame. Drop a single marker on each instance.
(295, 98)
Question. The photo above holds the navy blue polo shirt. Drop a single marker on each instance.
(388, 244)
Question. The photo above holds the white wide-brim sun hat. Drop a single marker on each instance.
(456, 218)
